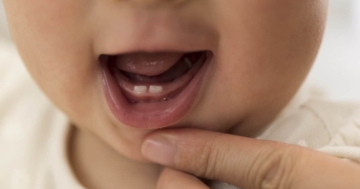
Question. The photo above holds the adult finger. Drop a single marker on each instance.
(249, 163)
(172, 179)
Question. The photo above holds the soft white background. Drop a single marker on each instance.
(337, 68)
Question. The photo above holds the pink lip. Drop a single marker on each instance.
(154, 116)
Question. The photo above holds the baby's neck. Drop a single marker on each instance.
(97, 166)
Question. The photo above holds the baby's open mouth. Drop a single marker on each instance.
(155, 77)
(153, 90)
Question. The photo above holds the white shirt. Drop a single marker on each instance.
(34, 133)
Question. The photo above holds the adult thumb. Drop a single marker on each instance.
(247, 163)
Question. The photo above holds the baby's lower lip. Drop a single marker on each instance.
(153, 103)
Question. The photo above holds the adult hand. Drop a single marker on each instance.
(244, 162)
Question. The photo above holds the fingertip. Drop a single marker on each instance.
(159, 150)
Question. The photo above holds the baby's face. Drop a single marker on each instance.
(123, 68)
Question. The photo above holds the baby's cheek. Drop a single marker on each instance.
(44, 17)
(45, 31)
(51, 40)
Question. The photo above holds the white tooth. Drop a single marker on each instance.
(155, 89)
(188, 62)
(140, 89)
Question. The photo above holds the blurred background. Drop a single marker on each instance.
(337, 68)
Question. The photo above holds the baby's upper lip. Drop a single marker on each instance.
(157, 34)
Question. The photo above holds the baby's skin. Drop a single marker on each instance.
(236, 65)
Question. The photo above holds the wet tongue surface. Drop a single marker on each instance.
(148, 64)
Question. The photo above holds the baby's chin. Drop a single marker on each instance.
(131, 146)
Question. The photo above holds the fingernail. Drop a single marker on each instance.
(159, 150)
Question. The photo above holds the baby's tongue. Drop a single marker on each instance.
(149, 64)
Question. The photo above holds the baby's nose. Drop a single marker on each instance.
(153, 3)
